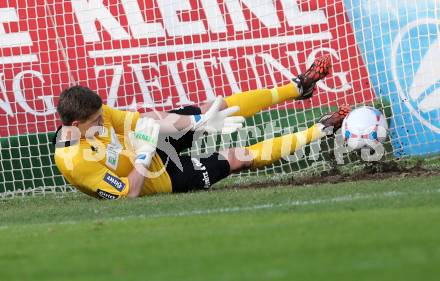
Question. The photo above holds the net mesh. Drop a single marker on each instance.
(164, 54)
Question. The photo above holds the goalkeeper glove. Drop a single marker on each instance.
(144, 140)
(218, 121)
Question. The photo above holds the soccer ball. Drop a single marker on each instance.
(364, 127)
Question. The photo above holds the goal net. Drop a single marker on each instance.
(164, 54)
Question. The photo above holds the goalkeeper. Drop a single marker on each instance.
(98, 152)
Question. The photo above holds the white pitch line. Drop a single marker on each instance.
(237, 209)
(347, 198)
(209, 45)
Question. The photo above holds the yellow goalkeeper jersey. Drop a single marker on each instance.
(100, 167)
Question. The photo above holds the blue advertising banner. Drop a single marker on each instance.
(400, 42)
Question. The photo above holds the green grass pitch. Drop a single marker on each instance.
(366, 230)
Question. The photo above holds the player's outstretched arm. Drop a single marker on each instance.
(218, 120)
(214, 120)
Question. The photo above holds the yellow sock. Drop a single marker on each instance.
(269, 151)
(251, 102)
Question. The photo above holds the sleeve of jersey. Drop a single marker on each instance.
(122, 119)
(99, 180)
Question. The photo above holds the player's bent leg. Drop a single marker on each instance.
(269, 151)
(301, 87)
(254, 101)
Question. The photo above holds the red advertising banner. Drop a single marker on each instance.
(165, 54)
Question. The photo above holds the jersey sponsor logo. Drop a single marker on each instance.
(114, 181)
(418, 82)
(107, 195)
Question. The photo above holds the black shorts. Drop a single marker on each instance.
(190, 173)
